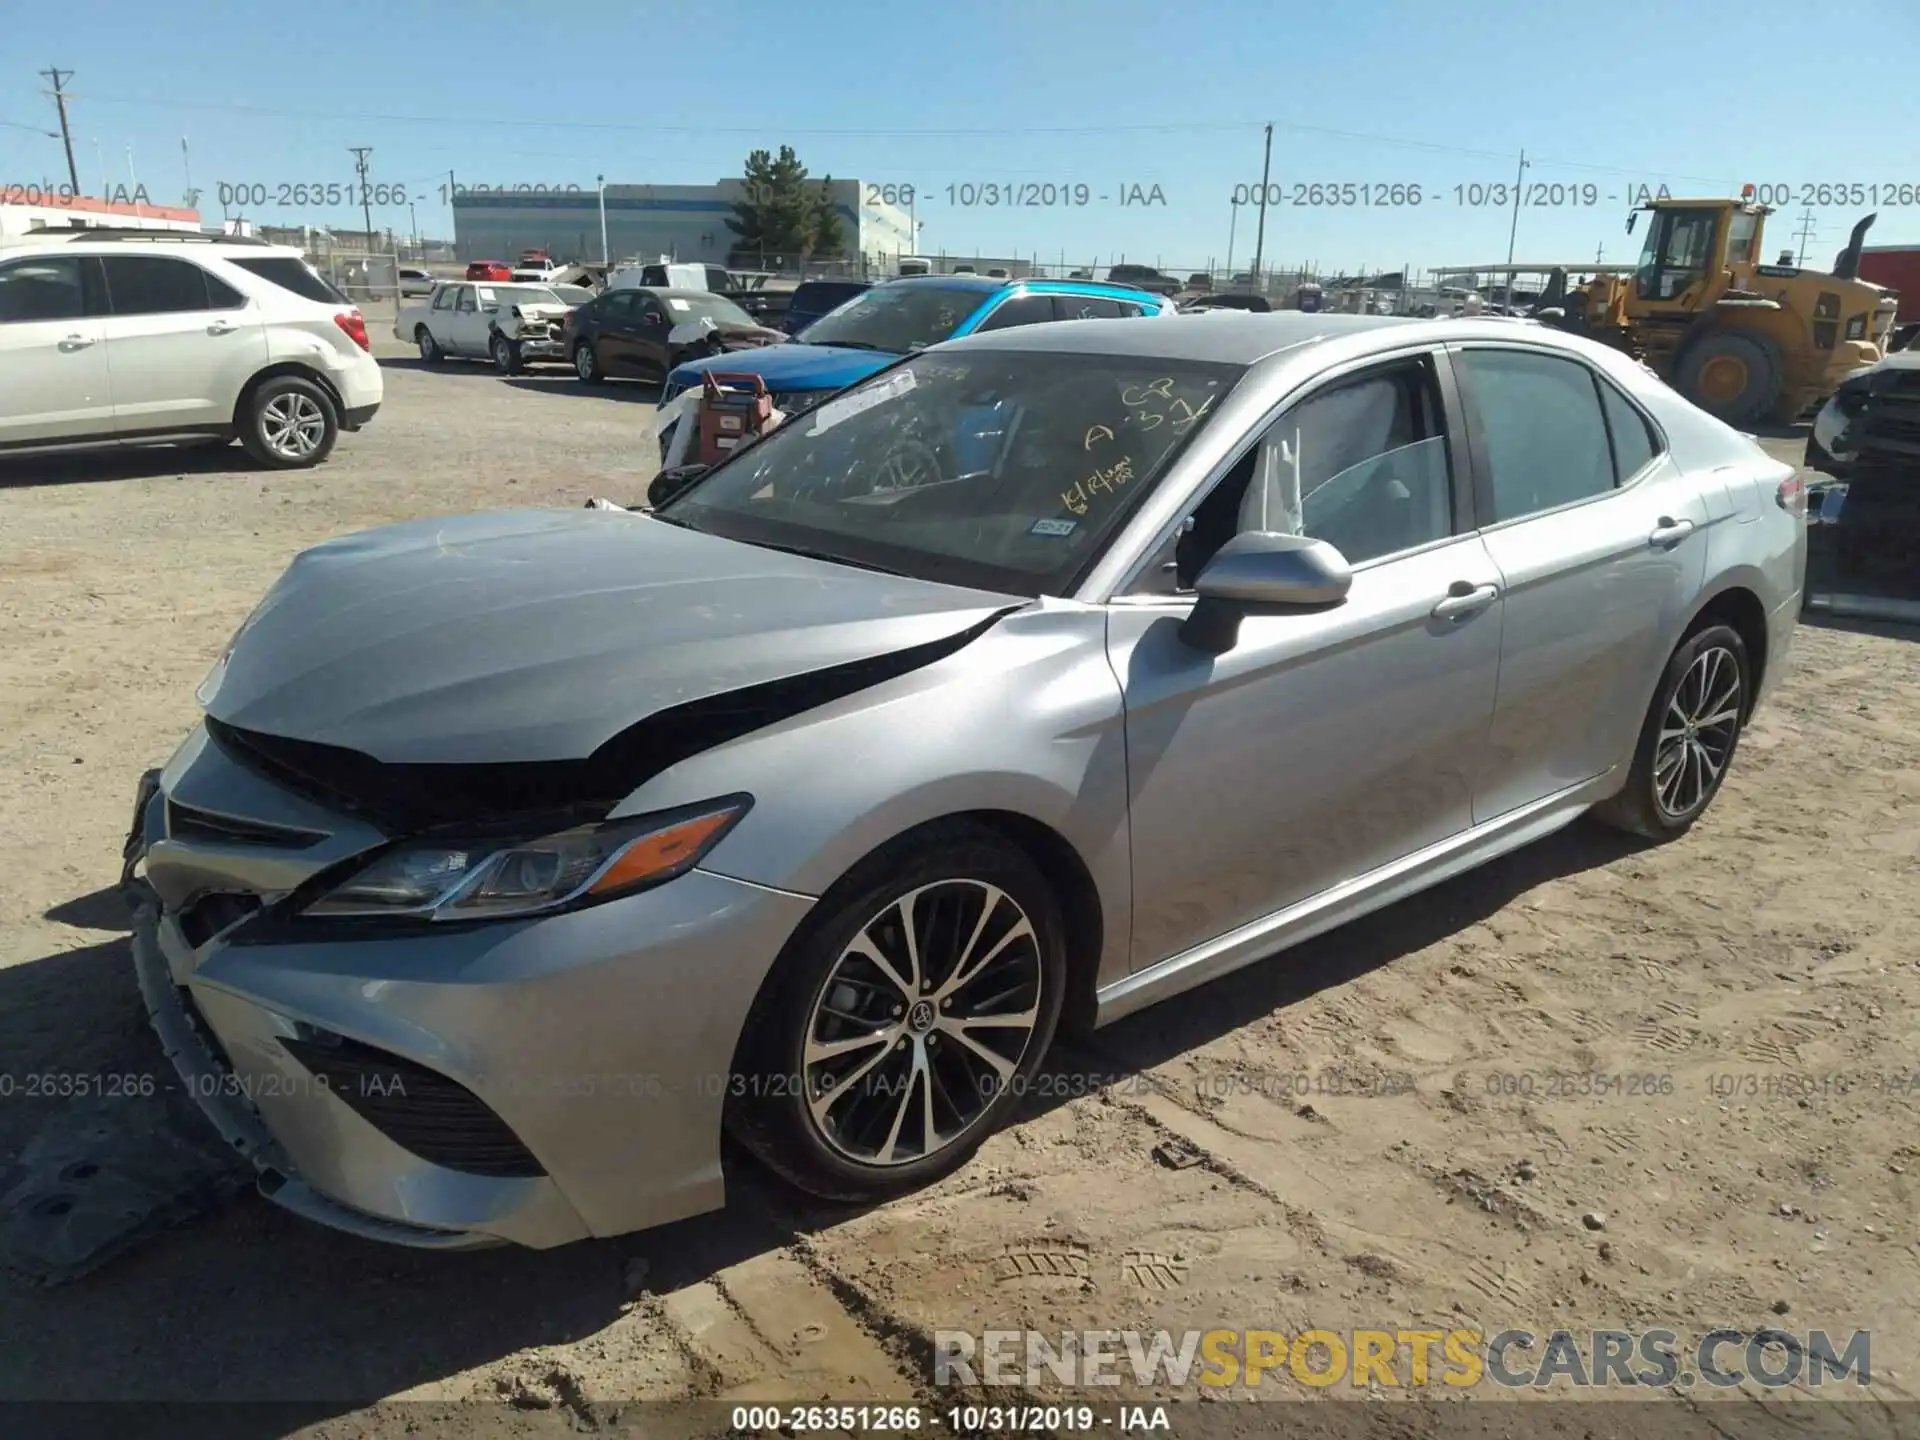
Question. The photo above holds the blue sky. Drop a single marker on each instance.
(1109, 96)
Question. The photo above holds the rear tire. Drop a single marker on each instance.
(1681, 759)
(1732, 376)
(288, 423)
(843, 1060)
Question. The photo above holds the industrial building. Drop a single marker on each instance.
(681, 222)
(27, 208)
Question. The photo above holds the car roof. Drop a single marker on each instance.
(1237, 337)
(119, 239)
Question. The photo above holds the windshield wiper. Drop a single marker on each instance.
(843, 344)
(804, 553)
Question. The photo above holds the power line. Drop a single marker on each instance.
(1164, 128)
(60, 98)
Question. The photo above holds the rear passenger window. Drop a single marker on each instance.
(1633, 441)
(1020, 310)
(222, 296)
(1127, 311)
(1540, 425)
(1089, 307)
(292, 274)
(154, 285)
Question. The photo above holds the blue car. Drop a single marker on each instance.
(890, 320)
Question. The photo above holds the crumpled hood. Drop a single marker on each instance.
(542, 311)
(541, 634)
(795, 366)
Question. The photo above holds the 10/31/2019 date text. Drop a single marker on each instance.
(1012, 194)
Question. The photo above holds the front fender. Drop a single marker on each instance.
(1028, 720)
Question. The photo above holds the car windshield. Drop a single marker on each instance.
(1005, 470)
(518, 295)
(573, 294)
(897, 318)
(717, 308)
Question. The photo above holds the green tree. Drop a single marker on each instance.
(782, 212)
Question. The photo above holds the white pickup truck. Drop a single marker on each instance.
(487, 320)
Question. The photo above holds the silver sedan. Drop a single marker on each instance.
(1042, 676)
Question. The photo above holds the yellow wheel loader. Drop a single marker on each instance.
(1744, 340)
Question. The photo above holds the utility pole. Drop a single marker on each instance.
(1233, 224)
(360, 153)
(1806, 234)
(600, 184)
(1513, 230)
(60, 98)
(1260, 238)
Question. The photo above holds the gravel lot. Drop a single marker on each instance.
(1376, 1135)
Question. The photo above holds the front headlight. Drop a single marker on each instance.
(493, 879)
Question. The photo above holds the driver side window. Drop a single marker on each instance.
(1361, 464)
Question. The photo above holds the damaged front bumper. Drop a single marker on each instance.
(545, 344)
(531, 1082)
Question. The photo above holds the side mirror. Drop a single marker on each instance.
(1553, 314)
(670, 483)
(1258, 569)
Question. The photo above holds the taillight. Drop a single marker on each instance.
(1792, 495)
(355, 324)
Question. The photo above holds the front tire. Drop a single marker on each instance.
(289, 423)
(900, 1027)
(586, 364)
(430, 351)
(1731, 376)
(506, 355)
(1688, 739)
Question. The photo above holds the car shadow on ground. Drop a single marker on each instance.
(251, 1304)
(562, 381)
(1855, 625)
(125, 462)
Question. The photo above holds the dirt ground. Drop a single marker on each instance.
(1386, 1127)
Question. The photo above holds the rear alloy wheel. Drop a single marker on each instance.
(289, 423)
(586, 364)
(430, 351)
(1688, 739)
(506, 355)
(889, 1043)
(1733, 377)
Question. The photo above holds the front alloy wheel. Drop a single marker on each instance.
(922, 1021)
(901, 1025)
(585, 363)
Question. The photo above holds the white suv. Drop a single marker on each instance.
(110, 337)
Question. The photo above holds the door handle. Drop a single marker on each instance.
(1669, 532)
(76, 342)
(222, 327)
(1464, 599)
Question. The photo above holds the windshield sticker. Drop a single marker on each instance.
(1054, 527)
(831, 414)
(486, 295)
(1079, 498)
(673, 304)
